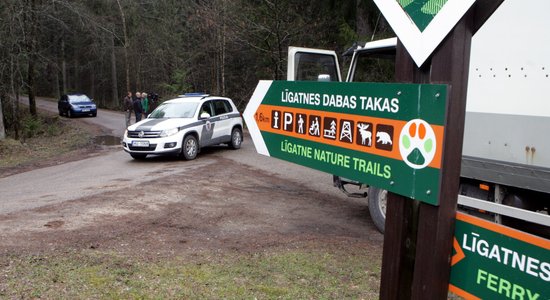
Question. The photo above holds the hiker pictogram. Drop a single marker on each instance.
(346, 134)
(417, 144)
(384, 137)
(301, 120)
(364, 130)
(329, 128)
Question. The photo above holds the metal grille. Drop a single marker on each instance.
(146, 134)
(151, 147)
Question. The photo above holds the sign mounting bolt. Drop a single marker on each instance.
(398, 93)
(437, 95)
(428, 192)
(392, 182)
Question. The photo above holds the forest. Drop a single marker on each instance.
(104, 48)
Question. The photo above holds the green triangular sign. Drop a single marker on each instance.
(422, 24)
(422, 12)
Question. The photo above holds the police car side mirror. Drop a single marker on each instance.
(204, 115)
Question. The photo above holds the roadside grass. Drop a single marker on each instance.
(287, 274)
(43, 137)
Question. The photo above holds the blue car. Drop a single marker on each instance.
(76, 105)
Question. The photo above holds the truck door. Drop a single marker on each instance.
(306, 64)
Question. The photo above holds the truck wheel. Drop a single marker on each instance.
(377, 207)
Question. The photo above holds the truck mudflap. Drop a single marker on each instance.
(341, 183)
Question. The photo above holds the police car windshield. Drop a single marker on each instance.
(175, 110)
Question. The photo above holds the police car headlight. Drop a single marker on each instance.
(126, 133)
(169, 132)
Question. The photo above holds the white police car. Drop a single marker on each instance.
(183, 125)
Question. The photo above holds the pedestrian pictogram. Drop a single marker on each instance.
(417, 144)
(384, 137)
(365, 132)
(300, 123)
(329, 128)
(346, 134)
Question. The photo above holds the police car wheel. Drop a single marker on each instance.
(236, 138)
(190, 147)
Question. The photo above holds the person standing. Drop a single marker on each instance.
(128, 107)
(138, 109)
(145, 104)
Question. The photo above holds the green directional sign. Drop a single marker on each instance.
(492, 261)
(386, 135)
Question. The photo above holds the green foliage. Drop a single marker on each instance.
(179, 83)
(346, 34)
(33, 126)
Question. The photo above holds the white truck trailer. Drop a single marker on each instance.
(505, 171)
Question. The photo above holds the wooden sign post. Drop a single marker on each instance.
(418, 237)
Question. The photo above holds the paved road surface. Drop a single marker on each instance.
(116, 170)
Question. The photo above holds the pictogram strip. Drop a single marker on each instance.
(265, 118)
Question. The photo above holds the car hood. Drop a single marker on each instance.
(161, 124)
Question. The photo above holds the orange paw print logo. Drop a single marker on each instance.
(417, 144)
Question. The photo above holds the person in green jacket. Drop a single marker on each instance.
(145, 104)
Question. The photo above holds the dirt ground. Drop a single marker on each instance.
(234, 208)
(217, 207)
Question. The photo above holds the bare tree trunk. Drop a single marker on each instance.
(63, 83)
(362, 27)
(222, 55)
(31, 48)
(75, 82)
(15, 101)
(92, 85)
(56, 81)
(2, 128)
(30, 85)
(126, 45)
(115, 101)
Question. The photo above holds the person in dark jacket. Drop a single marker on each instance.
(138, 109)
(128, 107)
